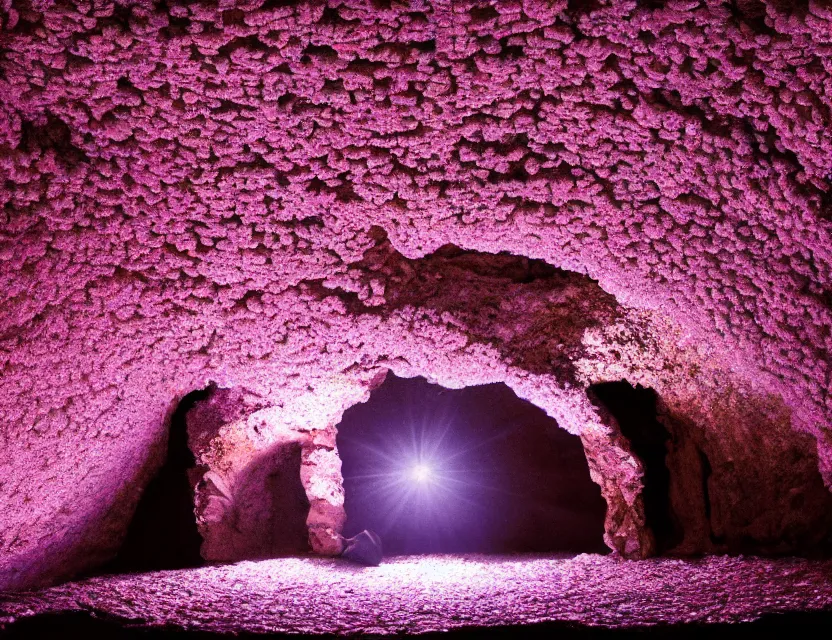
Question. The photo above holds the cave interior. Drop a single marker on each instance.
(538, 291)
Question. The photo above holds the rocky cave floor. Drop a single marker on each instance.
(451, 595)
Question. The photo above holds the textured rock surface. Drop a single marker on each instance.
(245, 193)
(419, 594)
(264, 485)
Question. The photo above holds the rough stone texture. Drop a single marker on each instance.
(741, 479)
(757, 494)
(260, 476)
(615, 469)
(419, 594)
(245, 193)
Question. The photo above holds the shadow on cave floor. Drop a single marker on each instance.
(91, 626)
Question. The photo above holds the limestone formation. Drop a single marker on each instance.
(286, 200)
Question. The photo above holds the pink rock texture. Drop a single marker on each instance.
(253, 194)
(438, 593)
(263, 485)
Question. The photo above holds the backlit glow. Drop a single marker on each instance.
(421, 473)
(428, 480)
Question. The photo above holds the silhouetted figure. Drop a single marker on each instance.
(365, 548)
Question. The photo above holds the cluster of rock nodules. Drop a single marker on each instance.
(201, 192)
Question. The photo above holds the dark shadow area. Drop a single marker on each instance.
(265, 514)
(290, 505)
(435, 470)
(93, 626)
(634, 408)
(163, 532)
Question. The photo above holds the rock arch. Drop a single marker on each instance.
(295, 364)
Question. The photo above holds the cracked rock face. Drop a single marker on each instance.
(290, 199)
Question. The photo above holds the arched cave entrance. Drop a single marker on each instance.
(497, 474)
(163, 532)
(634, 408)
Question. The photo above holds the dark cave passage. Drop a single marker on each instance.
(290, 504)
(635, 410)
(163, 533)
(473, 470)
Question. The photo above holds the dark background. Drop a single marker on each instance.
(508, 478)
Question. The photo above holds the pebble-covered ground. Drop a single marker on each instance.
(422, 594)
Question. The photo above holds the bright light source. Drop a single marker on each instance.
(421, 473)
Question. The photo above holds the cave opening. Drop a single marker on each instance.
(634, 408)
(472, 470)
(163, 533)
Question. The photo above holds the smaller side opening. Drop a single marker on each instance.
(267, 511)
(707, 471)
(289, 502)
(163, 532)
(634, 408)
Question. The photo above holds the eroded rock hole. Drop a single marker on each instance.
(163, 532)
(264, 515)
(634, 408)
(250, 500)
(436, 470)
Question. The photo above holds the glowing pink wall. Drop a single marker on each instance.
(186, 197)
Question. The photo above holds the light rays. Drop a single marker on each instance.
(426, 474)
(474, 470)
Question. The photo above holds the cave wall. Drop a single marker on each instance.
(740, 492)
(741, 479)
(562, 335)
(254, 194)
(267, 481)
(162, 533)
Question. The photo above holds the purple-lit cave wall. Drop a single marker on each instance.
(290, 199)
(635, 411)
(503, 476)
(269, 512)
(250, 500)
(705, 494)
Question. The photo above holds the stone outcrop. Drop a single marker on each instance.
(264, 485)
